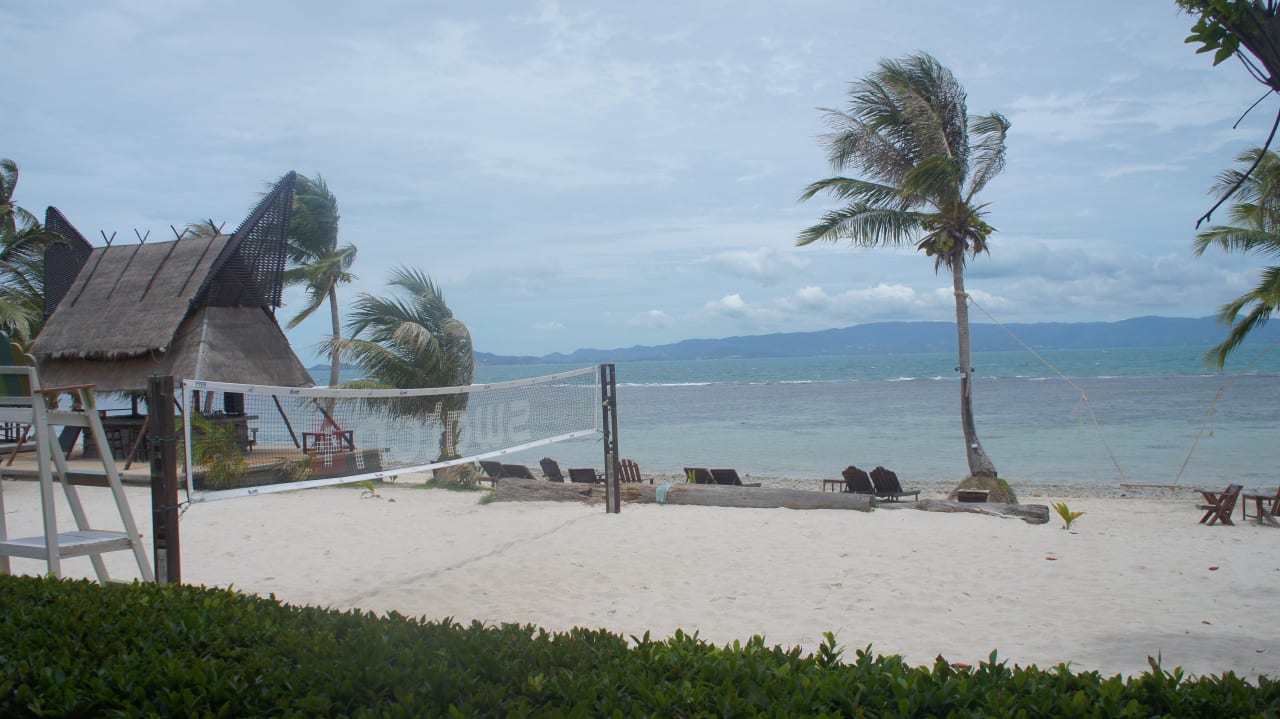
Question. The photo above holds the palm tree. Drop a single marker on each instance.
(316, 261)
(22, 245)
(411, 342)
(1255, 215)
(907, 131)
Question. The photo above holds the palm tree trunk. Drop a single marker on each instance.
(979, 463)
(335, 355)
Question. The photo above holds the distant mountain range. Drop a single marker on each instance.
(905, 337)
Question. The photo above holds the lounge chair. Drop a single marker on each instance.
(492, 472)
(730, 477)
(583, 475)
(1218, 506)
(630, 472)
(888, 487)
(516, 471)
(551, 469)
(857, 481)
(698, 475)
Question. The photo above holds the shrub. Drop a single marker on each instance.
(73, 648)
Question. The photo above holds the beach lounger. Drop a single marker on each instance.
(492, 472)
(630, 472)
(888, 487)
(1218, 506)
(698, 475)
(730, 477)
(857, 481)
(516, 471)
(551, 469)
(583, 475)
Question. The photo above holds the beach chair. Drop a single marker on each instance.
(551, 470)
(888, 487)
(516, 471)
(698, 475)
(583, 475)
(1218, 506)
(629, 471)
(857, 481)
(492, 472)
(730, 477)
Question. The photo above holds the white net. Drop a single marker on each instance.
(243, 439)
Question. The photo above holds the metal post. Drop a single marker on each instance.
(609, 397)
(164, 480)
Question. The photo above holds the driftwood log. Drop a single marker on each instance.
(515, 490)
(1029, 513)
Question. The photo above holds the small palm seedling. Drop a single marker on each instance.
(1067, 515)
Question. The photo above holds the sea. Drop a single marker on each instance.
(1097, 422)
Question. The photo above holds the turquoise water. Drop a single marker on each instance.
(1162, 417)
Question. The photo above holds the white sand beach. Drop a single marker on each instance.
(1134, 578)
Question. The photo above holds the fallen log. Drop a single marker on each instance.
(1029, 513)
(524, 490)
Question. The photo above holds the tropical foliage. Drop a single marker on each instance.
(412, 340)
(1255, 227)
(922, 162)
(22, 245)
(316, 261)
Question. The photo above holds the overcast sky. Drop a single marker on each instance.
(588, 174)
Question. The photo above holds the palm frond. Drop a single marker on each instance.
(863, 225)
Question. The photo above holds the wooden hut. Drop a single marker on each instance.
(195, 308)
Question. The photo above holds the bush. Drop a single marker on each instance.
(73, 648)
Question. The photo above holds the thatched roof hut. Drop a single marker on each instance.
(194, 308)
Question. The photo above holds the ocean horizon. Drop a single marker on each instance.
(1065, 422)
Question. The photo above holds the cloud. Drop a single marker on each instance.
(652, 319)
(550, 326)
(766, 265)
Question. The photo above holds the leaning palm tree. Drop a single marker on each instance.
(1255, 217)
(922, 161)
(409, 342)
(316, 261)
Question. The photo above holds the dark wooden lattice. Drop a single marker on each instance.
(62, 260)
(250, 270)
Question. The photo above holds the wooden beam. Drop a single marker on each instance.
(524, 490)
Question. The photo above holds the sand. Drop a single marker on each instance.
(1134, 578)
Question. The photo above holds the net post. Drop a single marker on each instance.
(164, 480)
(609, 400)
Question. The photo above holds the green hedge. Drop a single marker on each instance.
(76, 649)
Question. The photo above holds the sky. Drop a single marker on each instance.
(584, 174)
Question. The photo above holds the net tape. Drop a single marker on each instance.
(251, 439)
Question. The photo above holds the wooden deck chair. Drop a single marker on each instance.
(698, 475)
(857, 481)
(583, 475)
(516, 471)
(551, 470)
(730, 477)
(1218, 506)
(630, 472)
(492, 472)
(888, 487)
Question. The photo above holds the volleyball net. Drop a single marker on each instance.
(240, 439)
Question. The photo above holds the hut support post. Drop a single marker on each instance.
(609, 397)
(164, 481)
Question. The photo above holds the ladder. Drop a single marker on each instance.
(24, 401)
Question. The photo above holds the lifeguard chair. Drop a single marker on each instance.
(23, 401)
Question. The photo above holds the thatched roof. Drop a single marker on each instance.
(196, 308)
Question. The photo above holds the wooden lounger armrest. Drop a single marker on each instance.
(65, 388)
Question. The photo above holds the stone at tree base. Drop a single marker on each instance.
(998, 489)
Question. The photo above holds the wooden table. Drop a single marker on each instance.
(334, 440)
(1258, 501)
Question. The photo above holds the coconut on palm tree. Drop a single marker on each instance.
(1255, 217)
(920, 162)
(316, 261)
(412, 340)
